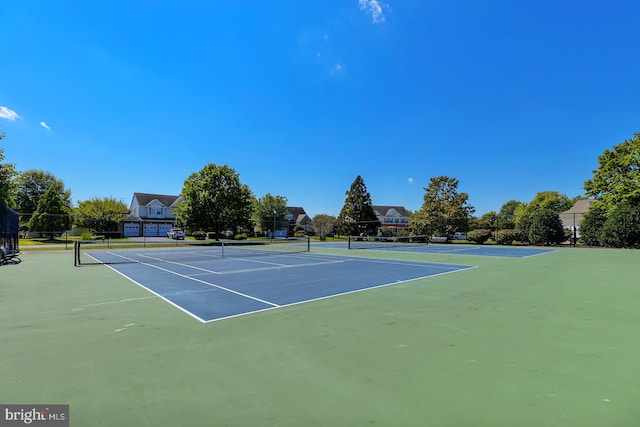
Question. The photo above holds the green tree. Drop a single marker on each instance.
(7, 183)
(357, 216)
(591, 225)
(622, 227)
(269, 213)
(31, 185)
(323, 225)
(546, 227)
(486, 222)
(215, 200)
(506, 214)
(553, 201)
(617, 178)
(52, 214)
(101, 215)
(444, 210)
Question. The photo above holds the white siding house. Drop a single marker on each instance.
(151, 215)
(394, 217)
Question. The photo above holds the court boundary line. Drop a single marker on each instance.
(274, 265)
(195, 280)
(459, 251)
(456, 268)
(397, 282)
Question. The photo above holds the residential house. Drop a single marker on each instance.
(297, 217)
(151, 215)
(572, 217)
(395, 218)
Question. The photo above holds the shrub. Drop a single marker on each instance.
(299, 233)
(546, 228)
(591, 227)
(199, 235)
(86, 236)
(385, 232)
(479, 236)
(506, 237)
(241, 236)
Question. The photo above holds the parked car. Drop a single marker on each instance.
(459, 235)
(176, 233)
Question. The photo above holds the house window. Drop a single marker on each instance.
(156, 211)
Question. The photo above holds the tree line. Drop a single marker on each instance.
(215, 200)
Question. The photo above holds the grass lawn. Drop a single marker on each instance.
(550, 340)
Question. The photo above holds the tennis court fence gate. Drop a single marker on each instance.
(9, 226)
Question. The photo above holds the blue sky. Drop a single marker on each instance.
(300, 97)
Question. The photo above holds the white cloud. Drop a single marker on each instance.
(336, 69)
(410, 180)
(8, 113)
(373, 8)
(44, 125)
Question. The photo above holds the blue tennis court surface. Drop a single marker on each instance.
(477, 250)
(211, 289)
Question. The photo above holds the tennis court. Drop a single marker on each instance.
(447, 249)
(539, 341)
(208, 286)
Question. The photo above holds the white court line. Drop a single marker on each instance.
(279, 266)
(273, 305)
(541, 253)
(420, 264)
(173, 262)
(339, 294)
(195, 280)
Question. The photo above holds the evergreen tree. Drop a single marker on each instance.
(357, 216)
(52, 214)
(33, 183)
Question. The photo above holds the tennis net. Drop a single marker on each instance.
(88, 252)
(378, 242)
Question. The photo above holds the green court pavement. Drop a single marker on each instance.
(551, 340)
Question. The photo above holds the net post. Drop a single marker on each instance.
(349, 243)
(308, 244)
(222, 248)
(75, 253)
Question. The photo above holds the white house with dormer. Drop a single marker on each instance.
(151, 215)
(394, 217)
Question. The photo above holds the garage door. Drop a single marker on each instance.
(131, 229)
(151, 230)
(163, 229)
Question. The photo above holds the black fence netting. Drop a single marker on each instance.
(9, 226)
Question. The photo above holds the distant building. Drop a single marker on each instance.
(394, 217)
(297, 217)
(151, 215)
(572, 217)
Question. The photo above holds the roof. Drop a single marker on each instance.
(384, 210)
(303, 219)
(145, 198)
(295, 211)
(581, 206)
(573, 216)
